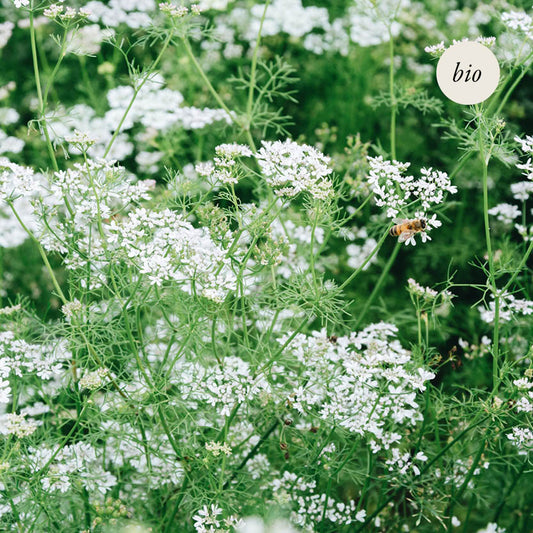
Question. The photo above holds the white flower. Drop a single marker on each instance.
(21, 3)
(291, 168)
(13, 424)
(519, 21)
(522, 190)
(526, 144)
(436, 49)
(505, 212)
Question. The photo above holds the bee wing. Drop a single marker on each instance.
(400, 220)
(405, 235)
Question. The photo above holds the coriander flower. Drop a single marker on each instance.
(526, 144)
(436, 49)
(21, 3)
(422, 292)
(505, 213)
(519, 21)
(17, 425)
(291, 168)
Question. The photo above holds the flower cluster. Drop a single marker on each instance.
(155, 108)
(291, 168)
(398, 192)
(509, 307)
(95, 379)
(436, 50)
(79, 462)
(13, 424)
(365, 383)
(403, 463)
(133, 13)
(20, 358)
(165, 247)
(359, 251)
(519, 21)
(309, 505)
(208, 520)
(224, 166)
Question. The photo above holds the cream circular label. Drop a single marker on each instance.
(468, 73)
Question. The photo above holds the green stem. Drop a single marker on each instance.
(42, 119)
(250, 102)
(492, 277)
(42, 253)
(377, 286)
(366, 261)
(252, 452)
(170, 523)
(212, 90)
(136, 92)
(469, 476)
(392, 98)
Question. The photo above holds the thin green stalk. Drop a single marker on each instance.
(377, 286)
(509, 491)
(136, 92)
(42, 119)
(519, 267)
(392, 98)
(469, 476)
(249, 105)
(366, 261)
(212, 90)
(53, 75)
(252, 452)
(44, 257)
(170, 523)
(492, 277)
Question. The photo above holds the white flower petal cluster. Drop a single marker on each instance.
(16, 180)
(19, 358)
(87, 40)
(224, 167)
(309, 505)
(522, 438)
(436, 50)
(95, 379)
(156, 108)
(460, 470)
(21, 3)
(359, 251)
(133, 13)
(365, 383)
(291, 168)
(222, 386)
(208, 520)
(18, 425)
(522, 190)
(371, 21)
(510, 307)
(165, 247)
(505, 213)
(6, 29)
(519, 21)
(402, 463)
(10, 144)
(79, 462)
(395, 191)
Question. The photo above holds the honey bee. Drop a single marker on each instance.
(405, 229)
